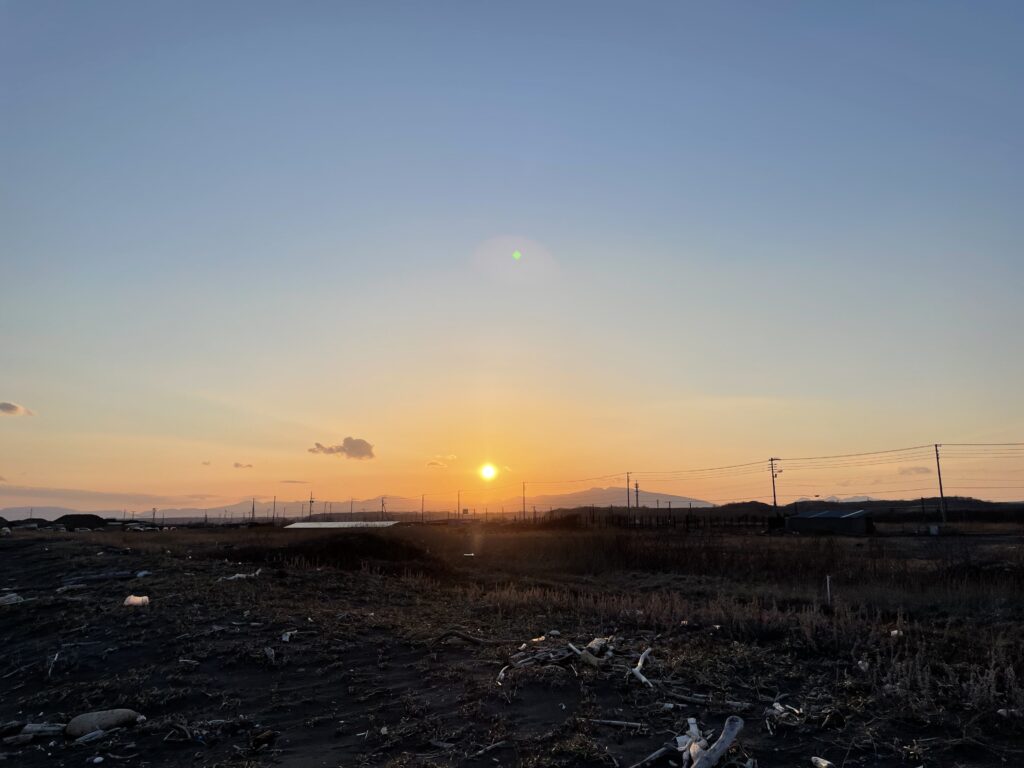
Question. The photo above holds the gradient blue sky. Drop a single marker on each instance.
(230, 230)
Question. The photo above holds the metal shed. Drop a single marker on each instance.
(834, 521)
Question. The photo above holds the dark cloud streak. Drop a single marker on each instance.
(350, 448)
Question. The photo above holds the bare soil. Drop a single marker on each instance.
(364, 678)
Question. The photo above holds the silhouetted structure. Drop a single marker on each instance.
(832, 521)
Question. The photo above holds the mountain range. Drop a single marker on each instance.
(599, 497)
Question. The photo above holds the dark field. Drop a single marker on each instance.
(921, 648)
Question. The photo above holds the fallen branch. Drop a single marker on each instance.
(680, 746)
(460, 635)
(635, 671)
(697, 698)
(485, 750)
(618, 723)
(710, 757)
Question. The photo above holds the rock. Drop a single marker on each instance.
(11, 726)
(18, 741)
(11, 598)
(103, 720)
(136, 600)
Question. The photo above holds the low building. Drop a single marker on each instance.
(832, 521)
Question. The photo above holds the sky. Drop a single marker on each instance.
(231, 232)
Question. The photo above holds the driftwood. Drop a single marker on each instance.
(586, 656)
(635, 671)
(485, 750)
(501, 675)
(680, 746)
(618, 723)
(696, 698)
(713, 754)
(460, 635)
(44, 729)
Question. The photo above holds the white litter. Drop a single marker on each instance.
(136, 600)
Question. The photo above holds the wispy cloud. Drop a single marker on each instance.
(296, 482)
(239, 465)
(13, 409)
(442, 461)
(350, 448)
(915, 470)
(3, 479)
(206, 463)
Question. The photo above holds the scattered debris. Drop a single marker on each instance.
(820, 762)
(136, 600)
(11, 598)
(238, 576)
(286, 637)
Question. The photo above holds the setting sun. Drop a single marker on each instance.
(488, 472)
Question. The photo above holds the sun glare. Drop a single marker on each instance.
(488, 472)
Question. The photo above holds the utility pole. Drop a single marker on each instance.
(382, 510)
(775, 500)
(273, 517)
(423, 498)
(310, 505)
(938, 470)
(627, 491)
(524, 502)
(636, 491)
(458, 504)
